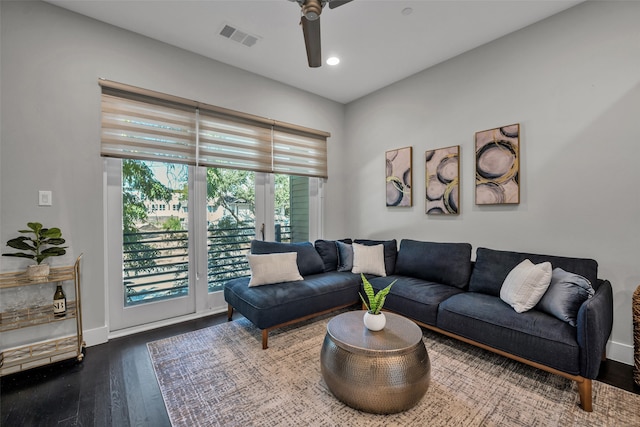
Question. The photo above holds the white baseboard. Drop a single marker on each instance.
(102, 335)
(620, 352)
(96, 336)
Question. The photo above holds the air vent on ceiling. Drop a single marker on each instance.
(239, 36)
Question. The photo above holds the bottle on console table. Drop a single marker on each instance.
(59, 302)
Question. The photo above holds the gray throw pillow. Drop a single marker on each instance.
(345, 256)
(565, 295)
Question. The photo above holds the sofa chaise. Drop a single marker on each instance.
(439, 287)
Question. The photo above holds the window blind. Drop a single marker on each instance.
(229, 142)
(147, 125)
(297, 153)
(145, 130)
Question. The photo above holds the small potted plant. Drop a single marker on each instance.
(44, 243)
(374, 319)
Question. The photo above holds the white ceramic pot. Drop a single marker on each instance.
(374, 322)
(38, 271)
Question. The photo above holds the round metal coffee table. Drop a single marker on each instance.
(381, 372)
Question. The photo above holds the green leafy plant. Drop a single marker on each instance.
(36, 246)
(376, 301)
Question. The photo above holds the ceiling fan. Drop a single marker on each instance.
(310, 21)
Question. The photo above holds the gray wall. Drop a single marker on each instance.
(50, 130)
(573, 83)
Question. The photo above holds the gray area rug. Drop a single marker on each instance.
(220, 376)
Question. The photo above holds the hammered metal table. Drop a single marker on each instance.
(381, 372)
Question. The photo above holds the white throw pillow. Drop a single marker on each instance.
(273, 268)
(368, 259)
(525, 285)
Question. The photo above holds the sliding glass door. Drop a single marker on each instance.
(149, 242)
(231, 224)
(177, 233)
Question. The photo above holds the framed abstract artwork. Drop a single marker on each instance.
(398, 176)
(442, 173)
(498, 166)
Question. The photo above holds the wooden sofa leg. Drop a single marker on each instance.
(229, 312)
(584, 389)
(265, 338)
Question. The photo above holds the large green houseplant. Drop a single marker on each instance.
(42, 244)
(374, 319)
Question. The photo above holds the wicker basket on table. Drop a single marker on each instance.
(635, 306)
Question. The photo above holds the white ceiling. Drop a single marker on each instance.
(377, 43)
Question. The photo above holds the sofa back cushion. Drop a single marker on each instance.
(309, 261)
(390, 252)
(492, 267)
(329, 253)
(444, 263)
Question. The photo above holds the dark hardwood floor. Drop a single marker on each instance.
(115, 385)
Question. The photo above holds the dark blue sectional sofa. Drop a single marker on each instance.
(442, 289)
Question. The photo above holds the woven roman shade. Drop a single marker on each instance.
(137, 127)
(147, 125)
(230, 142)
(298, 153)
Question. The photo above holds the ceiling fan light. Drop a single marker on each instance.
(311, 16)
(311, 9)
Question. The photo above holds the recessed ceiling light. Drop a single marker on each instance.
(407, 11)
(334, 60)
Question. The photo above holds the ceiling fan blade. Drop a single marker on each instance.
(335, 3)
(311, 31)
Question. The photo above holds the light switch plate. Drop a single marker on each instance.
(44, 198)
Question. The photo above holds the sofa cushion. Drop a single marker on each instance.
(565, 295)
(309, 261)
(525, 285)
(267, 306)
(446, 263)
(492, 267)
(532, 335)
(390, 252)
(345, 256)
(368, 259)
(414, 298)
(328, 252)
(268, 269)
